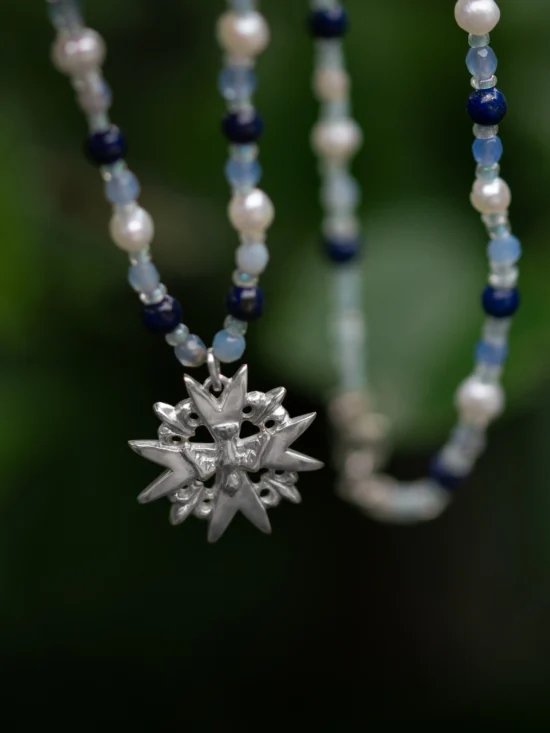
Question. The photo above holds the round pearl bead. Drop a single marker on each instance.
(331, 84)
(337, 140)
(132, 228)
(251, 213)
(479, 402)
(491, 197)
(478, 17)
(80, 53)
(243, 36)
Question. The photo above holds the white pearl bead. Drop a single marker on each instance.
(477, 16)
(252, 259)
(251, 213)
(132, 228)
(479, 402)
(80, 53)
(331, 84)
(491, 197)
(243, 35)
(337, 140)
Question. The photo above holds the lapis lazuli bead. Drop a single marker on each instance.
(487, 106)
(245, 126)
(488, 152)
(482, 62)
(106, 146)
(504, 249)
(443, 476)
(500, 302)
(491, 354)
(341, 251)
(245, 304)
(328, 23)
(162, 317)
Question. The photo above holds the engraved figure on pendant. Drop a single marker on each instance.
(228, 460)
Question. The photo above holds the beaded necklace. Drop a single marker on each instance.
(221, 404)
(361, 432)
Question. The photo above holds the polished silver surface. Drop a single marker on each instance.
(211, 480)
(214, 371)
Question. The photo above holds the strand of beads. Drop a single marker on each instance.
(361, 435)
(335, 139)
(79, 52)
(480, 398)
(243, 34)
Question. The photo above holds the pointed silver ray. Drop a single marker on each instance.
(245, 500)
(165, 484)
(278, 457)
(180, 471)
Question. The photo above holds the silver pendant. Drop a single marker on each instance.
(211, 480)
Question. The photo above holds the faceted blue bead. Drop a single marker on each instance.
(144, 277)
(162, 317)
(482, 62)
(328, 23)
(228, 347)
(487, 106)
(245, 126)
(122, 188)
(488, 152)
(237, 83)
(243, 173)
(341, 251)
(245, 304)
(66, 14)
(491, 354)
(107, 146)
(505, 249)
(443, 476)
(500, 302)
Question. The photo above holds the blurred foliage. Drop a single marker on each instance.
(78, 375)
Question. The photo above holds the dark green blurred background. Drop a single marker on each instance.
(335, 623)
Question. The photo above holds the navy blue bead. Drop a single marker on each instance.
(245, 304)
(162, 317)
(500, 302)
(243, 127)
(330, 23)
(341, 251)
(487, 106)
(443, 477)
(107, 146)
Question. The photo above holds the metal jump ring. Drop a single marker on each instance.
(214, 371)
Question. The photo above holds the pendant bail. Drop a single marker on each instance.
(214, 371)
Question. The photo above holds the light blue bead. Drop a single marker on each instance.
(243, 6)
(243, 174)
(491, 354)
(144, 277)
(228, 347)
(66, 14)
(237, 83)
(505, 249)
(122, 188)
(488, 152)
(482, 62)
(192, 353)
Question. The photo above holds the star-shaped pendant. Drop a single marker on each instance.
(211, 480)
